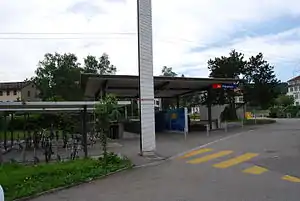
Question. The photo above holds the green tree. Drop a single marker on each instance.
(284, 100)
(226, 67)
(101, 66)
(58, 76)
(107, 112)
(168, 72)
(261, 85)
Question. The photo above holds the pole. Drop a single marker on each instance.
(146, 85)
(84, 131)
(12, 130)
(207, 129)
(5, 131)
(139, 63)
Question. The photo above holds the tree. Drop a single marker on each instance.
(226, 67)
(284, 100)
(58, 75)
(260, 82)
(107, 111)
(167, 102)
(168, 72)
(102, 66)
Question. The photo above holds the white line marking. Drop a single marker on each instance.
(185, 152)
(207, 144)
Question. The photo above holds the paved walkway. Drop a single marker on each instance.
(170, 144)
(259, 165)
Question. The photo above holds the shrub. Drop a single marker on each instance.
(22, 181)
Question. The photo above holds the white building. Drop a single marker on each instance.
(294, 89)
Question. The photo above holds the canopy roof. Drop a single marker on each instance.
(50, 106)
(164, 87)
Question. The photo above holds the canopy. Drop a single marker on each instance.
(127, 86)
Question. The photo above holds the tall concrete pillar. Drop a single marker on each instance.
(146, 86)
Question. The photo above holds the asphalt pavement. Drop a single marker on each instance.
(256, 165)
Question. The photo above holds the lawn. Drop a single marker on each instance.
(21, 181)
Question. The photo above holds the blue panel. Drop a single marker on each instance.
(175, 119)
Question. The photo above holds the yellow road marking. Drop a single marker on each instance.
(235, 161)
(255, 170)
(209, 157)
(291, 178)
(195, 152)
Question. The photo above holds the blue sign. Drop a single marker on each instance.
(224, 86)
(176, 119)
(229, 86)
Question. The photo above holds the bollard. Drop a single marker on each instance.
(207, 129)
(242, 123)
(226, 126)
(1, 194)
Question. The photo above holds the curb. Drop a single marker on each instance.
(71, 185)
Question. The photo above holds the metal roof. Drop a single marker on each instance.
(14, 85)
(51, 106)
(164, 87)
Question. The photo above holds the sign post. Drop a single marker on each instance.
(146, 88)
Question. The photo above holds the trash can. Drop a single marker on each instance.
(114, 131)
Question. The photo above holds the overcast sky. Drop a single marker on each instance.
(185, 33)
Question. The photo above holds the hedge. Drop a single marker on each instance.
(36, 121)
(22, 181)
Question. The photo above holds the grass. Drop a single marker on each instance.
(22, 181)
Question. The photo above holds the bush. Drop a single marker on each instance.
(37, 121)
(194, 116)
(22, 181)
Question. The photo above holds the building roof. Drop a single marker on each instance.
(294, 79)
(13, 85)
(164, 87)
(51, 106)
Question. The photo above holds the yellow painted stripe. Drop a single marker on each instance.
(209, 157)
(291, 178)
(195, 152)
(235, 161)
(255, 170)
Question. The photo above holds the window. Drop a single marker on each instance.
(297, 103)
(7, 93)
(291, 89)
(28, 93)
(15, 92)
(1, 93)
(296, 96)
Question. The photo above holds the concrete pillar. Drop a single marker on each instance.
(146, 86)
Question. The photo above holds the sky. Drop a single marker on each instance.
(186, 34)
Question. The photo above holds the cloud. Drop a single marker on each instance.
(185, 33)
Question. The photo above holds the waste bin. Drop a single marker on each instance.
(114, 131)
